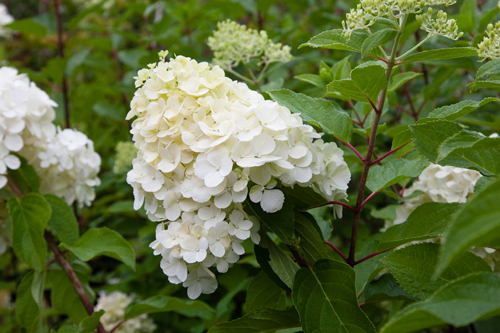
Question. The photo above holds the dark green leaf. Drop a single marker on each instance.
(62, 220)
(401, 139)
(325, 297)
(76, 60)
(160, 303)
(284, 267)
(25, 177)
(392, 172)
(28, 26)
(311, 241)
(333, 39)
(313, 79)
(263, 292)
(29, 299)
(303, 198)
(399, 79)
(367, 270)
(281, 222)
(386, 288)
(490, 68)
(451, 53)
(89, 324)
(460, 109)
(263, 258)
(378, 38)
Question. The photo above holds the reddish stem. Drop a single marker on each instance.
(117, 325)
(355, 112)
(353, 149)
(389, 153)
(368, 198)
(399, 107)
(332, 203)
(371, 256)
(381, 59)
(336, 250)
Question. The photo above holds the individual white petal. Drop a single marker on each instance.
(272, 201)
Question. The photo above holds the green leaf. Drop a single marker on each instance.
(260, 320)
(281, 222)
(303, 198)
(325, 297)
(488, 84)
(313, 79)
(459, 303)
(468, 10)
(487, 18)
(25, 177)
(386, 288)
(160, 303)
(427, 221)
(447, 143)
(263, 292)
(76, 60)
(476, 224)
(263, 258)
(413, 267)
(333, 39)
(326, 115)
(311, 240)
(29, 299)
(89, 324)
(284, 267)
(366, 82)
(451, 53)
(103, 241)
(490, 68)
(110, 111)
(28, 26)
(29, 215)
(378, 38)
(62, 220)
(399, 79)
(393, 172)
(460, 109)
(367, 270)
(400, 139)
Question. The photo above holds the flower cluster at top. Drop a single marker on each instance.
(233, 44)
(114, 305)
(206, 143)
(5, 18)
(490, 45)
(367, 13)
(64, 160)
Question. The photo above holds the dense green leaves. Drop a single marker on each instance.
(162, 303)
(62, 220)
(378, 38)
(29, 215)
(103, 241)
(320, 112)
(260, 320)
(476, 224)
(399, 79)
(311, 241)
(333, 39)
(89, 324)
(325, 297)
(426, 221)
(441, 54)
(460, 109)
(263, 292)
(263, 258)
(280, 262)
(392, 172)
(461, 302)
(303, 198)
(386, 288)
(366, 82)
(25, 177)
(413, 267)
(489, 68)
(29, 301)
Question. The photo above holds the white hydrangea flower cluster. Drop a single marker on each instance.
(440, 26)
(206, 143)
(439, 184)
(65, 160)
(114, 305)
(5, 18)
(233, 44)
(368, 11)
(490, 45)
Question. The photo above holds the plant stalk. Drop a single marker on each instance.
(60, 45)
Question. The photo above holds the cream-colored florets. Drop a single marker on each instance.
(235, 44)
(441, 26)
(114, 305)
(206, 144)
(490, 46)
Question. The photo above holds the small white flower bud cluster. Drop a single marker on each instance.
(490, 46)
(206, 143)
(233, 44)
(440, 26)
(5, 18)
(125, 153)
(64, 160)
(446, 3)
(114, 305)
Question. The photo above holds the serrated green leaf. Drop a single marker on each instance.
(427, 221)
(476, 224)
(103, 241)
(260, 320)
(333, 39)
(284, 267)
(28, 26)
(451, 53)
(311, 241)
(488, 84)
(366, 82)
(29, 215)
(386, 288)
(325, 114)
(313, 79)
(393, 172)
(399, 79)
(263, 292)
(29, 301)
(459, 303)
(160, 303)
(413, 267)
(402, 139)
(325, 297)
(263, 257)
(460, 109)
(377, 38)
(491, 67)
(62, 220)
(367, 270)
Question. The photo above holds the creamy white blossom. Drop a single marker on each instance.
(439, 26)
(206, 143)
(114, 305)
(5, 18)
(489, 47)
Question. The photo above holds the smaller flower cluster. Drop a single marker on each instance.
(125, 153)
(441, 26)
(233, 44)
(490, 45)
(114, 305)
(5, 18)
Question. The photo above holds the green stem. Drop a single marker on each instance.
(238, 75)
(413, 48)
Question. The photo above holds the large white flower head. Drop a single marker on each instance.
(26, 115)
(114, 305)
(68, 167)
(206, 143)
(5, 18)
(233, 44)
